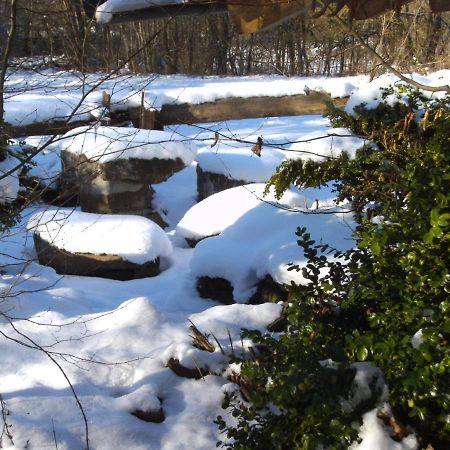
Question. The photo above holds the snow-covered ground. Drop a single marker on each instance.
(55, 95)
(52, 95)
(113, 339)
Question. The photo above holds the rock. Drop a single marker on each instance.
(150, 416)
(115, 187)
(209, 183)
(268, 291)
(144, 171)
(115, 197)
(218, 289)
(87, 264)
(221, 290)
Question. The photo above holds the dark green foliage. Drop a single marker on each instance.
(371, 301)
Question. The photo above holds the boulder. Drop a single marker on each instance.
(221, 290)
(218, 289)
(150, 416)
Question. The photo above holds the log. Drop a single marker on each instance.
(236, 108)
(45, 128)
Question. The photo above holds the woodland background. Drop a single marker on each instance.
(415, 39)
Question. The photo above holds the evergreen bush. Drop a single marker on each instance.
(381, 307)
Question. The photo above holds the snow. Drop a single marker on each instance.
(371, 92)
(219, 211)
(172, 207)
(52, 95)
(263, 242)
(376, 437)
(104, 144)
(319, 146)
(236, 160)
(113, 338)
(9, 185)
(133, 238)
(241, 163)
(46, 166)
(27, 108)
(105, 11)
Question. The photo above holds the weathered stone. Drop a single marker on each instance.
(218, 289)
(115, 197)
(150, 416)
(221, 290)
(87, 264)
(268, 291)
(71, 180)
(186, 372)
(115, 187)
(147, 171)
(209, 183)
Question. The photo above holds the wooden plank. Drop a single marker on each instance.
(257, 15)
(244, 108)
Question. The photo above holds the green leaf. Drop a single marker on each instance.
(362, 353)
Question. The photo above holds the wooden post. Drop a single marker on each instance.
(106, 103)
(146, 116)
(106, 100)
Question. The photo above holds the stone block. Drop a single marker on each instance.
(87, 264)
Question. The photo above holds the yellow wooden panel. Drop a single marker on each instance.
(250, 16)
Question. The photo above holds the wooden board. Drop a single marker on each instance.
(257, 15)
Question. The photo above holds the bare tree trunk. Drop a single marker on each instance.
(6, 54)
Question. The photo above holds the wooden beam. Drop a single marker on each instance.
(244, 108)
(257, 15)
(234, 108)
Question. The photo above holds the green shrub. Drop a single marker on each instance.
(386, 301)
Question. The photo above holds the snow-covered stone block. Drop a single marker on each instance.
(230, 167)
(120, 157)
(262, 242)
(113, 144)
(117, 247)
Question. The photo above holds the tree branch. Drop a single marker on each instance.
(384, 63)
